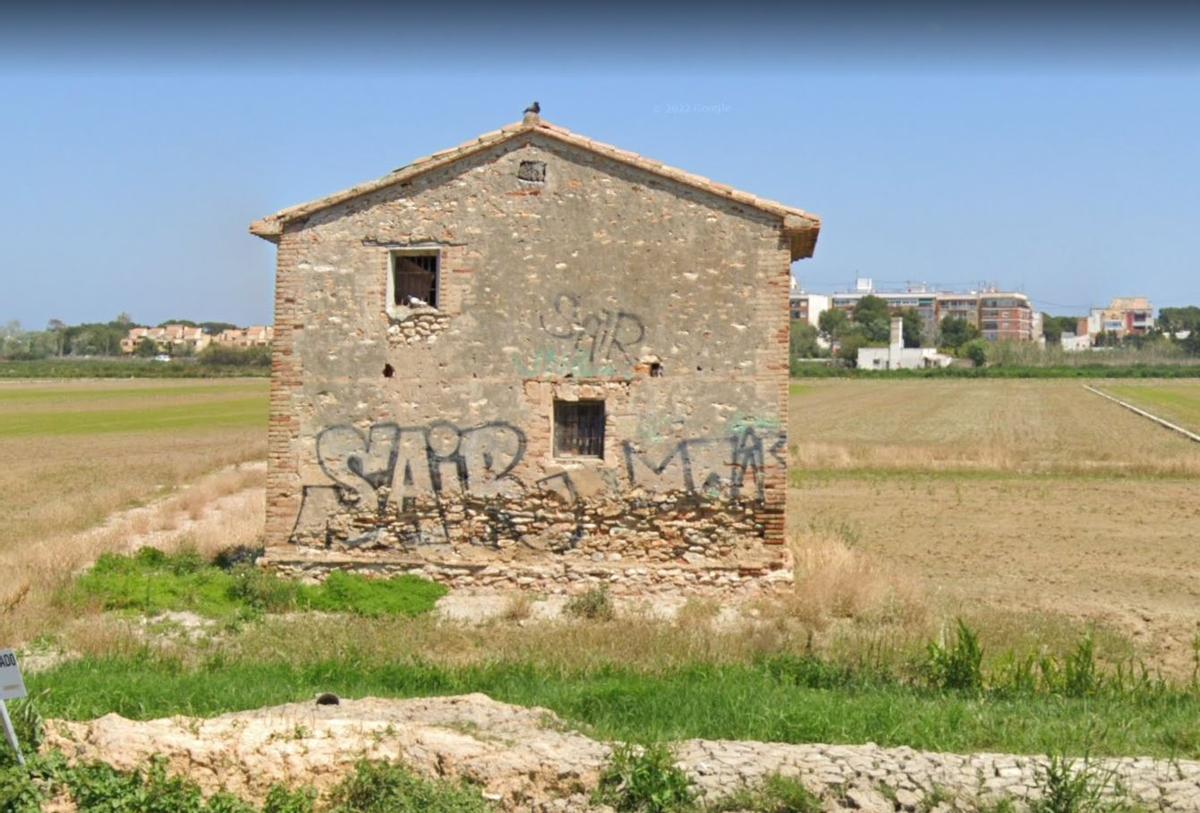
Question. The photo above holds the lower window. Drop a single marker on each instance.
(579, 429)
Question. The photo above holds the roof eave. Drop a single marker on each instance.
(269, 228)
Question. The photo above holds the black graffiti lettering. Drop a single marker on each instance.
(623, 327)
(566, 317)
(412, 486)
(437, 455)
(597, 334)
(743, 466)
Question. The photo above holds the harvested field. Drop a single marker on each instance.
(77, 452)
(1027, 427)
(1012, 495)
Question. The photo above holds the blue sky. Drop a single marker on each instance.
(950, 152)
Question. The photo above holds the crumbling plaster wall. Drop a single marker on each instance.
(572, 288)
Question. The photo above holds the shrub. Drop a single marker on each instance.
(260, 590)
(382, 788)
(958, 667)
(283, 800)
(596, 604)
(644, 780)
(977, 351)
(222, 356)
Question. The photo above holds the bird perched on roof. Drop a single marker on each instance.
(534, 108)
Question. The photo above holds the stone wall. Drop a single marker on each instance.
(414, 437)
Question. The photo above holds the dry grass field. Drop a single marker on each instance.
(1031, 508)
(77, 452)
(1014, 498)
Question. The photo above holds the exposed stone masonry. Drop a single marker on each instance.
(418, 326)
(526, 759)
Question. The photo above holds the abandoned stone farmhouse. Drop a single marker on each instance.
(533, 359)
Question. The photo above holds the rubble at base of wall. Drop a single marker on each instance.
(673, 531)
(557, 578)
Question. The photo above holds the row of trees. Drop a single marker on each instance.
(870, 324)
(87, 339)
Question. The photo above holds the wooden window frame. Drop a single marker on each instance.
(393, 288)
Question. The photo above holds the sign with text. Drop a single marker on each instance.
(12, 686)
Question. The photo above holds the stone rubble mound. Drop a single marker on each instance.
(527, 759)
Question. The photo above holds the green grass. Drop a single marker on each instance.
(777, 700)
(1177, 404)
(1189, 369)
(74, 394)
(124, 368)
(150, 582)
(147, 417)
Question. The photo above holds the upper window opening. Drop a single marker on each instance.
(532, 171)
(579, 429)
(415, 279)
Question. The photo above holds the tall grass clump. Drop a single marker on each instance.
(595, 605)
(644, 780)
(1076, 786)
(835, 581)
(957, 666)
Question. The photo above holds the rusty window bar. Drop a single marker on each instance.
(414, 276)
(579, 429)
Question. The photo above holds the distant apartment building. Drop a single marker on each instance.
(176, 339)
(1009, 317)
(1000, 316)
(167, 339)
(253, 336)
(806, 307)
(1124, 316)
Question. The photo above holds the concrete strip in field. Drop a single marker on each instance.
(1173, 427)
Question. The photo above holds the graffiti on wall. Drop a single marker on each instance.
(414, 486)
(729, 467)
(602, 336)
(387, 469)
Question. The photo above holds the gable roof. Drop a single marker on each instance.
(799, 225)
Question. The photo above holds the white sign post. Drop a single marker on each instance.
(12, 687)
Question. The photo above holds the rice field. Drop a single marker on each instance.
(1025, 496)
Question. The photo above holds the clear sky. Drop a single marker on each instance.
(1047, 154)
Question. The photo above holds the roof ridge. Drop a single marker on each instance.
(795, 220)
